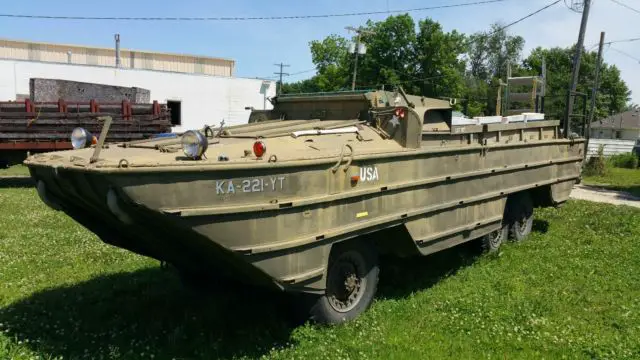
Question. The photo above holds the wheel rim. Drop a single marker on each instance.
(347, 282)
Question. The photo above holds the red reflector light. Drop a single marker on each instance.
(400, 113)
(259, 148)
(94, 140)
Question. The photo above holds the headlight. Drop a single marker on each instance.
(194, 144)
(81, 138)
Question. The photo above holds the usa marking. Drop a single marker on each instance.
(249, 185)
(369, 173)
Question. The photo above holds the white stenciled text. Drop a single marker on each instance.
(250, 185)
(369, 173)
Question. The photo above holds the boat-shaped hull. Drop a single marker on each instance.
(274, 224)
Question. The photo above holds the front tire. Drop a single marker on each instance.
(352, 280)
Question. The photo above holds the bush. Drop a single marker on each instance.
(596, 165)
(627, 161)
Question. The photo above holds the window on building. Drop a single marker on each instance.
(174, 107)
(618, 134)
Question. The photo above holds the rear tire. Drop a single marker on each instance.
(352, 280)
(492, 241)
(521, 215)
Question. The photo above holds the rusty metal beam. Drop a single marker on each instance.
(39, 145)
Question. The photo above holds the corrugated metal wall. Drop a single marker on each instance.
(611, 147)
(130, 59)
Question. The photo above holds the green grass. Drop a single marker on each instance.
(572, 290)
(617, 179)
(15, 170)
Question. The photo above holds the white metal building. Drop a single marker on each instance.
(202, 89)
(129, 59)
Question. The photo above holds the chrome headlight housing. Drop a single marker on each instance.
(194, 144)
(81, 138)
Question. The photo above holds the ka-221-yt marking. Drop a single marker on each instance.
(250, 185)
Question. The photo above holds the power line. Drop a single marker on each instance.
(617, 41)
(244, 18)
(281, 65)
(525, 17)
(625, 54)
(624, 40)
(626, 6)
(278, 73)
(302, 72)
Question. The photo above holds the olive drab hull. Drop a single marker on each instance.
(273, 220)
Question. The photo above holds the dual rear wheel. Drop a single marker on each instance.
(352, 274)
(517, 222)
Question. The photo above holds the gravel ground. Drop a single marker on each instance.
(596, 194)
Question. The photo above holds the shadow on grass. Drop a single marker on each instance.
(400, 277)
(148, 311)
(540, 226)
(16, 182)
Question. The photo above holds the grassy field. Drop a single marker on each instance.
(572, 290)
(15, 170)
(617, 179)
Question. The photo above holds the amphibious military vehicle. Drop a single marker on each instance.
(305, 196)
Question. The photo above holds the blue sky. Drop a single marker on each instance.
(257, 45)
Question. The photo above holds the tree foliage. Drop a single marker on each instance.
(429, 61)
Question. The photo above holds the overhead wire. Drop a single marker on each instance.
(303, 72)
(497, 30)
(525, 17)
(626, 6)
(243, 18)
(625, 54)
(426, 80)
(614, 42)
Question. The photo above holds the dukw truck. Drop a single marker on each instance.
(297, 198)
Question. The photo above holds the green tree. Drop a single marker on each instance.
(331, 58)
(439, 60)
(489, 53)
(396, 54)
(391, 53)
(428, 61)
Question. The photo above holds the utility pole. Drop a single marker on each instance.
(281, 65)
(357, 50)
(594, 92)
(576, 67)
